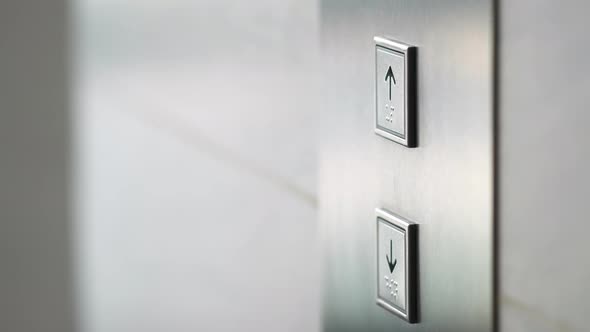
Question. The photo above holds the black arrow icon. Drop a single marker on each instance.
(389, 76)
(389, 261)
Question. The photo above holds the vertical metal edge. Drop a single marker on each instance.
(412, 272)
(495, 250)
(411, 97)
(376, 103)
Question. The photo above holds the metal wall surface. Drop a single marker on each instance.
(543, 166)
(445, 185)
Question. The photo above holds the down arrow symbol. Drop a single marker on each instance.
(389, 260)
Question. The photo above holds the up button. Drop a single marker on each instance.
(395, 86)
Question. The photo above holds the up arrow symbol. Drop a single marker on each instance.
(389, 77)
(390, 261)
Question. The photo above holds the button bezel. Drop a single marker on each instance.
(410, 137)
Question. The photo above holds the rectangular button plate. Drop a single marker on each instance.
(395, 79)
(396, 264)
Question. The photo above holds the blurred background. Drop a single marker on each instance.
(183, 165)
(195, 165)
(179, 189)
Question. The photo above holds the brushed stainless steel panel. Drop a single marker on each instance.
(446, 183)
(543, 166)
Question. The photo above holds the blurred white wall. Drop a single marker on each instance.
(194, 157)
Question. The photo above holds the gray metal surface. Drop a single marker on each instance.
(446, 183)
(543, 166)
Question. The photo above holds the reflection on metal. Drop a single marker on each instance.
(446, 184)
